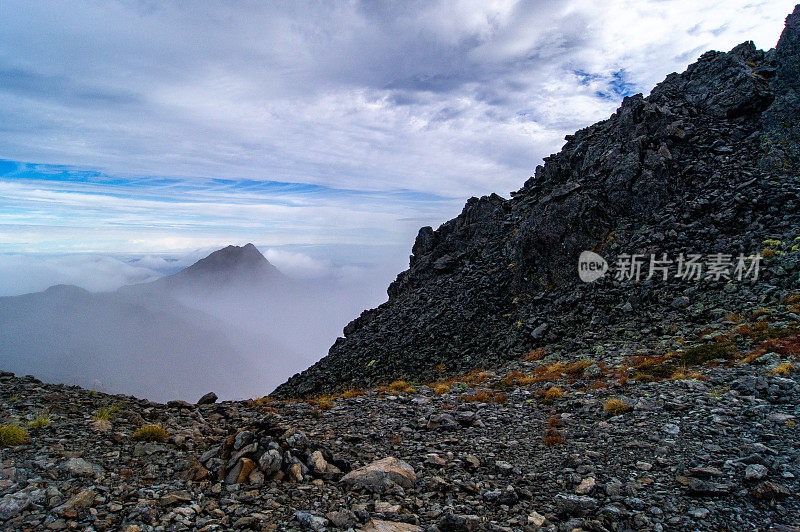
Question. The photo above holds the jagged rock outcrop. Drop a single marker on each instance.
(705, 164)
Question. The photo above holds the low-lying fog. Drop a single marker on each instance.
(232, 323)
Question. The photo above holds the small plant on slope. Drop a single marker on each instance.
(150, 433)
(40, 421)
(12, 435)
(616, 407)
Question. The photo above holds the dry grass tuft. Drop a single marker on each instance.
(616, 407)
(576, 369)
(323, 402)
(441, 388)
(479, 397)
(474, 377)
(554, 392)
(784, 369)
(12, 435)
(40, 421)
(787, 346)
(485, 397)
(721, 347)
(552, 437)
(761, 312)
(749, 359)
(526, 380)
(106, 413)
(352, 393)
(534, 355)
(551, 394)
(151, 433)
(762, 331)
(793, 302)
(683, 374)
(401, 387)
(481, 377)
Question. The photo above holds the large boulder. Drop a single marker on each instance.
(208, 399)
(381, 475)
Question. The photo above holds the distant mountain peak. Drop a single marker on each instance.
(234, 261)
(230, 266)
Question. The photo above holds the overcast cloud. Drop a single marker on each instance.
(141, 126)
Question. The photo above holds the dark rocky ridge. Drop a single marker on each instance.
(706, 164)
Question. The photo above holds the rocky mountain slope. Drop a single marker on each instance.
(706, 164)
(611, 406)
(540, 445)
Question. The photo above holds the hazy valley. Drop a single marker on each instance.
(231, 323)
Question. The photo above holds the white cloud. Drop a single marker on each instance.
(439, 97)
(21, 274)
(298, 265)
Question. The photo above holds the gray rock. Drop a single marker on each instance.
(569, 504)
(208, 399)
(755, 472)
(540, 331)
(311, 520)
(450, 522)
(442, 421)
(82, 468)
(770, 490)
(381, 475)
(321, 468)
(82, 500)
(270, 462)
(11, 505)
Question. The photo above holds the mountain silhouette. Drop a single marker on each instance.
(176, 337)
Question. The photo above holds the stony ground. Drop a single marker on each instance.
(704, 437)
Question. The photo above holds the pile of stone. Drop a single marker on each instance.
(268, 452)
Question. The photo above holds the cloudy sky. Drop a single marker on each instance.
(138, 134)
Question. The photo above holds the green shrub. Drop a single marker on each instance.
(703, 353)
(40, 421)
